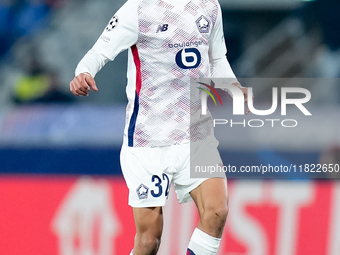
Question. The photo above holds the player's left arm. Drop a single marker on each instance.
(219, 64)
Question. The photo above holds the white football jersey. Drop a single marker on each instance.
(169, 42)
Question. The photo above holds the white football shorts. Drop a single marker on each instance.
(150, 171)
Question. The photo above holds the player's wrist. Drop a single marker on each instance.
(87, 73)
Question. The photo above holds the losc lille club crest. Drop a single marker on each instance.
(203, 24)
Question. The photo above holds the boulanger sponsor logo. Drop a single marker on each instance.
(185, 44)
(236, 92)
(188, 58)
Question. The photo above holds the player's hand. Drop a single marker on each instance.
(82, 84)
(245, 93)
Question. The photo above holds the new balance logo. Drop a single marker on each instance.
(162, 28)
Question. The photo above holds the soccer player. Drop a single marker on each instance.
(169, 42)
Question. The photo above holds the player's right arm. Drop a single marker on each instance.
(120, 34)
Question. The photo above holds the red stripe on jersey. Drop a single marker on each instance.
(138, 72)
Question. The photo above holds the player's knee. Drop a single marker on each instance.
(221, 212)
(150, 244)
(216, 215)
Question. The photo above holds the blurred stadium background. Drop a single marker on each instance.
(61, 189)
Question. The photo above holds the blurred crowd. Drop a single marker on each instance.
(39, 85)
(326, 15)
(20, 18)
